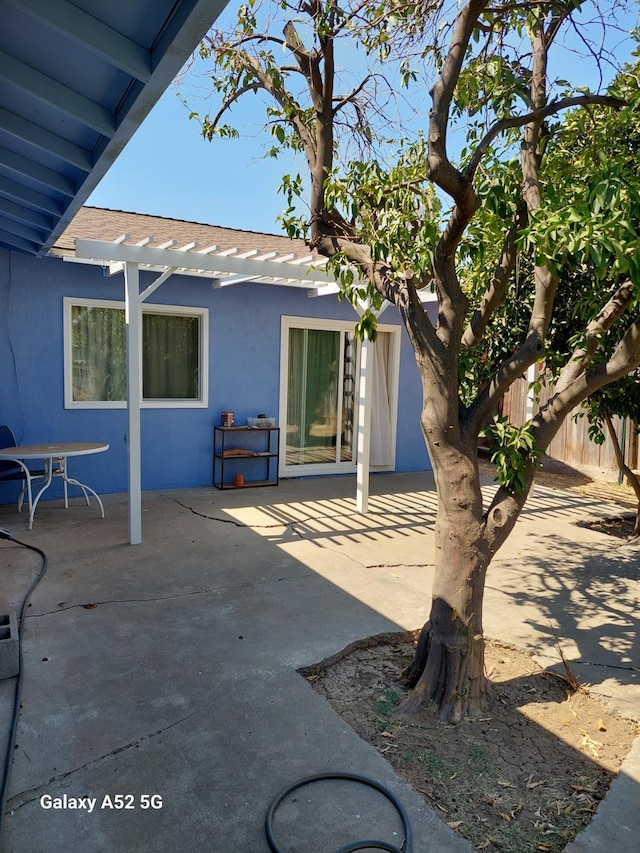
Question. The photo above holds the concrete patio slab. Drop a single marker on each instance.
(168, 669)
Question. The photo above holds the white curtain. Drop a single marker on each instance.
(380, 453)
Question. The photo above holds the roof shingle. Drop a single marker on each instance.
(96, 223)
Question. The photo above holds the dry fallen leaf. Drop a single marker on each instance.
(591, 744)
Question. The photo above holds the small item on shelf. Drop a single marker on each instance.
(261, 421)
(226, 419)
(238, 481)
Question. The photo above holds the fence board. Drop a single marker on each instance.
(572, 444)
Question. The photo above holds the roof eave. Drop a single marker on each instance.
(172, 50)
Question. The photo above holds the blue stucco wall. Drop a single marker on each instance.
(244, 347)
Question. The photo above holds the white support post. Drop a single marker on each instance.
(364, 426)
(133, 318)
(532, 374)
(365, 386)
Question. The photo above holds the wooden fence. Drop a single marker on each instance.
(572, 444)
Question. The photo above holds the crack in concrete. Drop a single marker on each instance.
(287, 525)
(362, 565)
(292, 525)
(304, 535)
(398, 565)
(23, 798)
(210, 591)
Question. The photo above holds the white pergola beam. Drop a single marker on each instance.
(217, 283)
(146, 293)
(217, 263)
(323, 290)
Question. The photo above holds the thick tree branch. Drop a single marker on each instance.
(511, 369)
(506, 505)
(610, 313)
(536, 116)
(625, 358)
(309, 62)
(545, 283)
(531, 351)
(453, 302)
(439, 168)
(624, 469)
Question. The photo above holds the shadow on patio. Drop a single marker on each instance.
(169, 668)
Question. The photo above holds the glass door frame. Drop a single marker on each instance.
(337, 467)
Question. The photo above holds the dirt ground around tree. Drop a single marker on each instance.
(526, 777)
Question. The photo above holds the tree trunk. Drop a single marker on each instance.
(624, 469)
(448, 668)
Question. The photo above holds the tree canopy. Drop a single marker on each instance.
(444, 152)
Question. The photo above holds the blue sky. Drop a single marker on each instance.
(168, 169)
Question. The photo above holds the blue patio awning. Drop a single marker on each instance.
(76, 81)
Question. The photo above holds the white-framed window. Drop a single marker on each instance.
(174, 355)
(319, 387)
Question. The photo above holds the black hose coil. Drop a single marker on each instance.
(406, 846)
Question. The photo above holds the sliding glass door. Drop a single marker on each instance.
(319, 388)
(320, 426)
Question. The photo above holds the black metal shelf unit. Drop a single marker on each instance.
(241, 450)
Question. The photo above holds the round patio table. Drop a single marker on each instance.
(55, 458)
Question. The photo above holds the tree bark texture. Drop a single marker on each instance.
(624, 468)
(448, 668)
